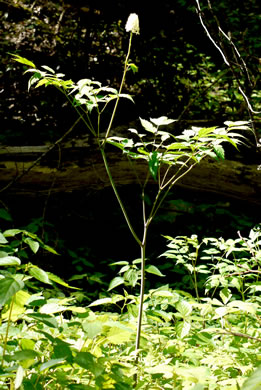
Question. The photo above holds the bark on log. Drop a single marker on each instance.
(80, 167)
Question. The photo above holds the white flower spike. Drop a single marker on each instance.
(132, 24)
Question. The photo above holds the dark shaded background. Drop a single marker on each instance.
(180, 75)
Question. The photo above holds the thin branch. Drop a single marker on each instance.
(120, 89)
(229, 63)
(208, 34)
(41, 157)
(246, 336)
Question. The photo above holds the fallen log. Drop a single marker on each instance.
(35, 170)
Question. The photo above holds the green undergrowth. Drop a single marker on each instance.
(200, 331)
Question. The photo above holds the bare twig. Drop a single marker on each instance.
(238, 61)
(56, 143)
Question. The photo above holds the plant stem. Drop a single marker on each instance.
(120, 89)
(142, 289)
(118, 197)
(7, 330)
(195, 276)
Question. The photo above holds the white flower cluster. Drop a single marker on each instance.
(132, 24)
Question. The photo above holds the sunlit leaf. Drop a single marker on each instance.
(54, 278)
(22, 60)
(10, 260)
(8, 288)
(154, 270)
(126, 96)
(102, 301)
(51, 308)
(89, 362)
(19, 377)
(183, 328)
(92, 328)
(184, 308)
(162, 121)
(219, 151)
(34, 245)
(48, 68)
(225, 295)
(44, 318)
(18, 306)
(118, 335)
(116, 282)
(26, 354)
(11, 232)
(51, 363)
(148, 126)
(254, 381)
(154, 164)
(205, 131)
(39, 274)
(3, 240)
(166, 370)
(133, 67)
(42, 82)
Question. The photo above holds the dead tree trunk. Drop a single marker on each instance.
(80, 167)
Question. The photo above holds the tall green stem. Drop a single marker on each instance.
(7, 329)
(142, 289)
(118, 196)
(121, 86)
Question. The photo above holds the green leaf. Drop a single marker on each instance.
(116, 282)
(244, 306)
(219, 151)
(205, 131)
(154, 164)
(12, 232)
(3, 240)
(102, 301)
(118, 335)
(26, 354)
(62, 350)
(42, 82)
(254, 381)
(10, 260)
(50, 249)
(22, 60)
(58, 280)
(88, 361)
(154, 270)
(18, 306)
(19, 377)
(133, 67)
(184, 308)
(183, 328)
(51, 363)
(34, 79)
(92, 328)
(126, 96)
(165, 370)
(48, 69)
(225, 295)
(148, 126)
(51, 308)
(162, 121)
(120, 263)
(178, 146)
(5, 215)
(8, 288)
(33, 245)
(45, 319)
(39, 274)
